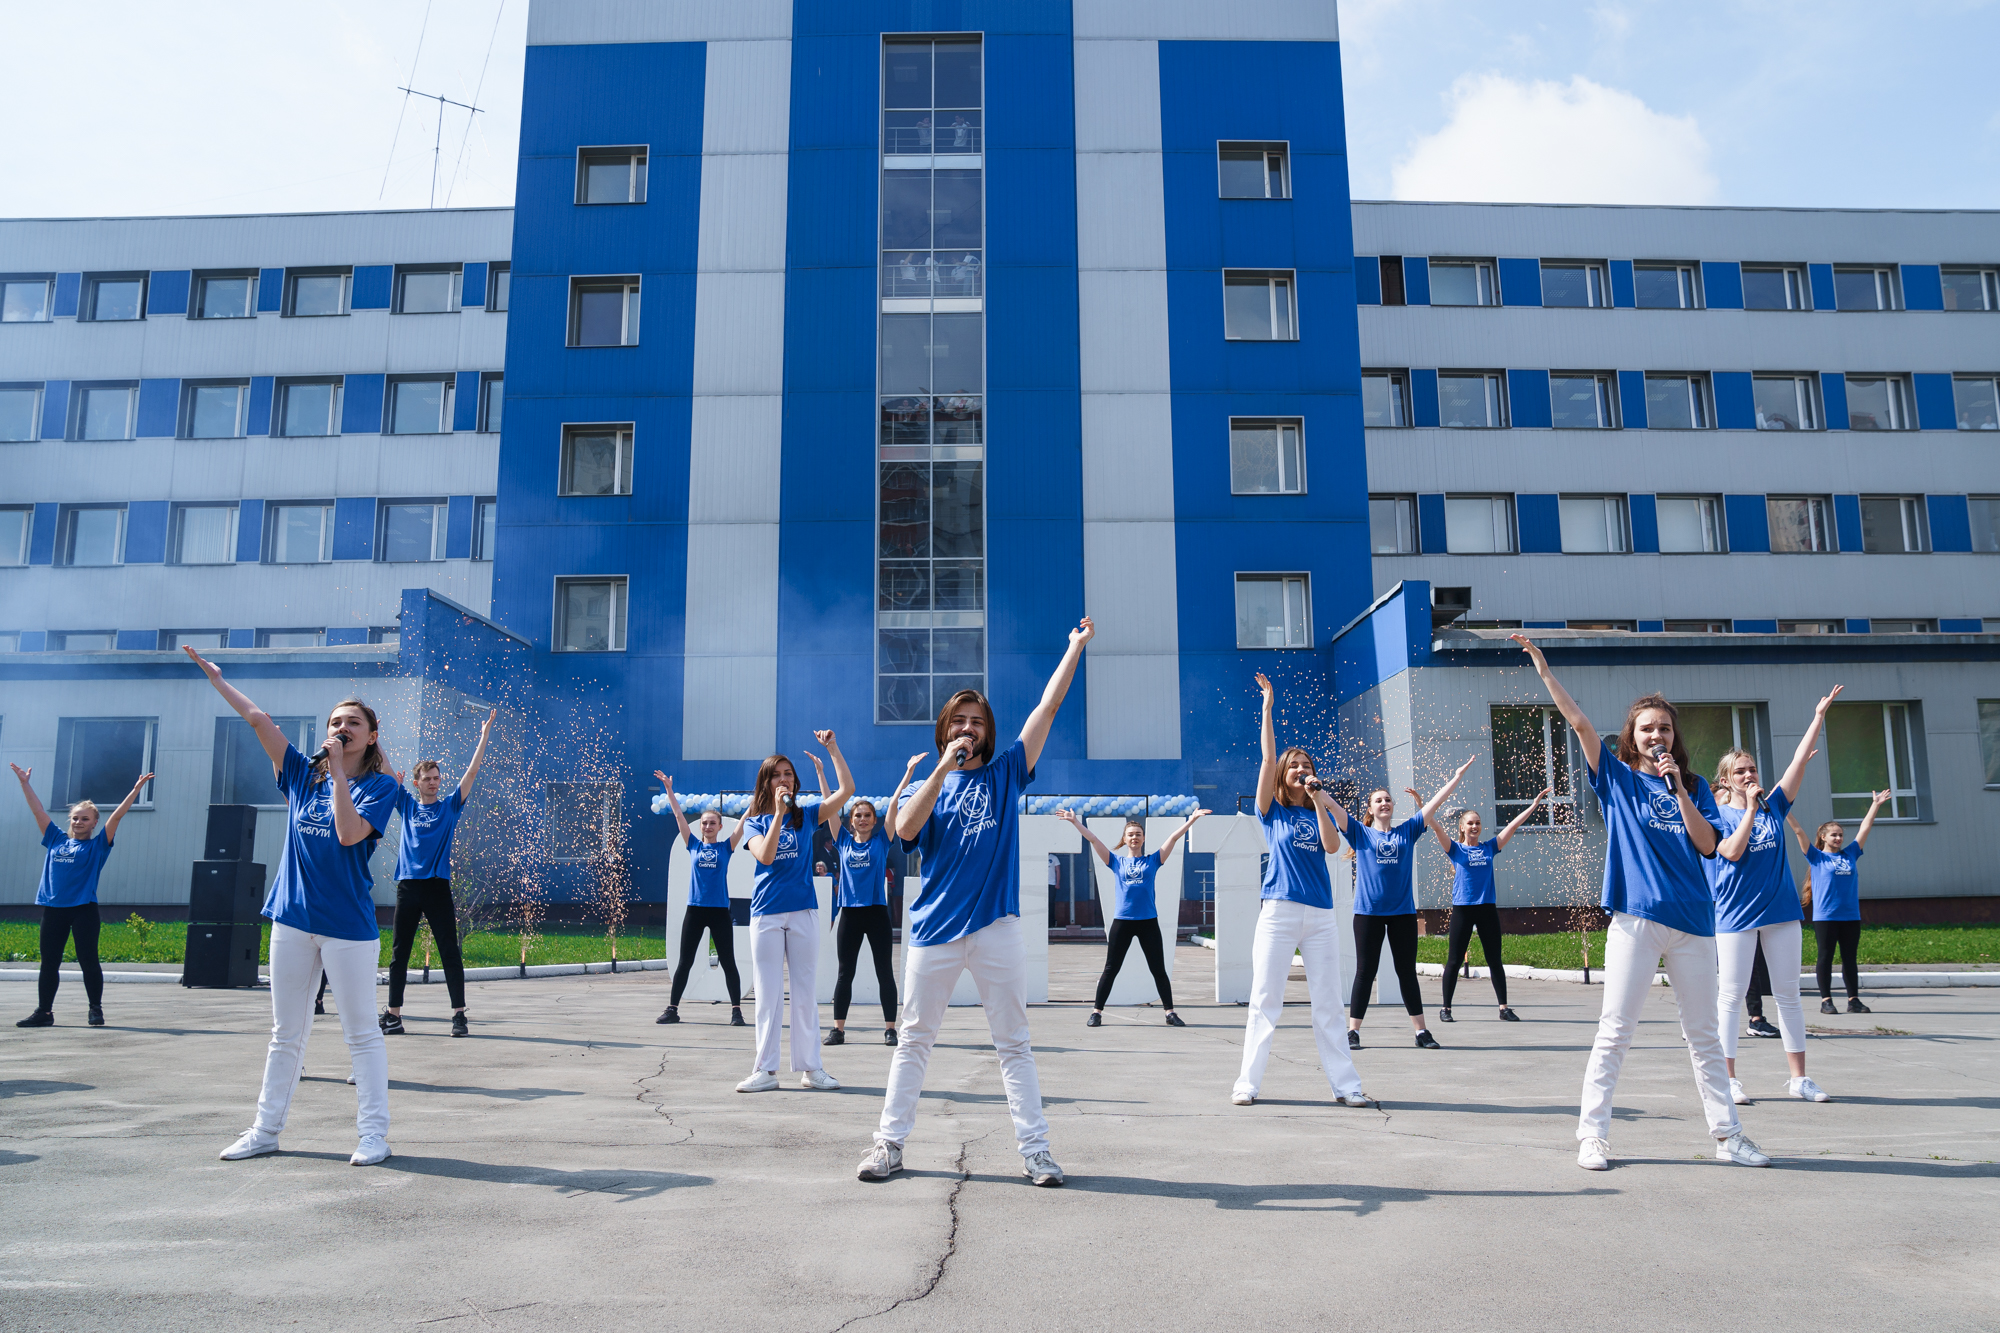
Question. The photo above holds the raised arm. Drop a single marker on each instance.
(673, 803)
(1868, 820)
(1794, 775)
(1429, 808)
(896, 796)
(1572, 714)
(1506, 835)
(735, 834)
(42, 820)
(911, 816)
(830, 808)
(1431, 822)
(268, 735)
(479, 757)
(1333, 816)
(349, 824)
(1167, 847)
(1103, 852)
(1267, 771)
(820, 770)
(1035, 732)
(1805, 843)
(118, 815)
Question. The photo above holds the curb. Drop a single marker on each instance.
(1807, 981)
(381, 975)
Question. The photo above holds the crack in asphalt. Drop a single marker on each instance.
(950, 1240)
(659, 1108)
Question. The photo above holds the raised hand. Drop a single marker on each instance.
(207, 666)
(1198, 814)
(824, 738)
(1085, 631)
(487, 726)
(1414, 795)
(1528, 647)
(911, 767)
(1827, 702)
(144, 778)
(665, 781)
(22, 773)
(1882, 797)
(1067, 816)
(1264, 685)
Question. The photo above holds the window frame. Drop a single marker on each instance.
(1597, 283)
(1823, 534)
(440, 508)
(1485, 282)
(281, 407)
(1564, 808)
(1613, 514)
(37, 391)
(65, 551)
(455, 284)
(1279, 148)
(27, 513)
(1502, 505)
(79, 410)
(263, 636)
(1606, 383)
(1888, 292)
(191, 395)
(1822, 628)
(288, 308)
(1914, 794)
(1988, 713)
(1911, 518)
(491, 387)
(499, 286)
(621, 585)
(1399, 396)
(1989, 530)
(59, 642)
(1899, 401)
(176, 533)
(482, 505)
(274, 512)
(1274, 280)
(627, 433)
(1688, 281)
(224, 782)
(447, 398)
(1989, 287)
(637, 173)
(1992, 384)
(1405, 522)
(65, 790)
(630, 310)
(46, 281)
(1495, 396)
(86, 305)
(1805, 396)
(1287, 580)
(198, 292)
(1701, 409)
(1282, 425)
(1798, 290)
(1710, 516)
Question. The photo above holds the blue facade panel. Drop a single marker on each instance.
(34, 640)
(1645, 513)
(249, 531)
(1951, 524)
(458, 527)
(42, 537)
(159, 409)
(1622, 291)
(1722, 285)
(472, 286)
(361, 404)
(1960, 626)
(1545, 624)
(1652, 626)
(1430, 524)
(1936, 407)
(258, 420)
(1857, 626)
(465, 401)
(1754, 626)
(1367, 280)
(1632, 399)
(1423, 398)
(1735, 402)
(1923, 287)
(243, 638)
(138, 640)
(1847, 522)
(270, 291)
(354, 529)
(55, 409)
(1520, 282)
(1833, 394)
(1416, 280)
(1540, 524)
(68, 287)
(1749, 522)
(167, 292)
(373, 286)
(1528, 399)
(146, 532)
(341, 636)
(1820, 277)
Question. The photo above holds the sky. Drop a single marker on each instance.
(232, 107)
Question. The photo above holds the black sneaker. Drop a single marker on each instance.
(97, 1015)
(1444, 1016)
(319, 1008)
(673, 1015)
(1508, 1015)
(1354, 1039)
(837, 1037)
(1856, 1007)
(1427, 1041)
(736, 1016)
(1096, 1020)
(888, 1036)
(1761, 1027)
(1174, 1020)
(41, 1018)
(459, 1028)
(1826, 1007)
(392, 1024)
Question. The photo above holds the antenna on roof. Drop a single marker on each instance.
(438, 143)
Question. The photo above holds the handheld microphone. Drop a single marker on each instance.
(1659, 753)
(1762, 804)
(963, 755)
(784, 796)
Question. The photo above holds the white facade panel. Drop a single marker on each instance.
(1206, 21)
(263, 240)
(581, 22)
(1117, 95)
(733, 463)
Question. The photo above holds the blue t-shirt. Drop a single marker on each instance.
(423, 850)
(69, 870)
(1836, 885)
(1295, 869)
(1472, 873)
(1135, 886)
(1383, 866)
(970, 849)
(1651, 869)
(785, 885)
(864, 869)
(710, 886)
(1758, 889)
(322, 887)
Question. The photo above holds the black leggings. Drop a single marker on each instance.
(1120, 937)
(1369, 932)
(415, 900)
(1485, 918)
(1847, 934)
(1760, 984)
(854, 925)
(716, 921)
(59, 925)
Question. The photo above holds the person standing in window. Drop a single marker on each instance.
(708, 904)
(1836, 902)
(1755, 903)
(1473, 905)
(322, 911)
(784, 913)
(423, 881)
(861, 909)
(1658, 833)
(67, 895)
(1296, 916)
(1137, 916)
(965, 819)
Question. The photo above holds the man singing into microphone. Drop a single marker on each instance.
(964, 820)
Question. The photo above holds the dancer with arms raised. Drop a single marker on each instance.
(707, 906)
(1473, 904)
(1836, 901)
(1136, 911)
(861, 909)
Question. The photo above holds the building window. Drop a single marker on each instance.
(291, 638)
(1392, 524)
(10, 641)
(427, 291)
(1696, 627)
(491, 400)
(309, 408)
(90, 535)
(1871, 747)
(1689, 524)
(420, 406)
(301, 534)
(1666, 287)
(20, 412)
(1593, 524)
(202, 535)
(1978, 406)
(1601, 626)
(16, 522)
(1676, 402)
(1989, 740)
(1273, 611)
(241, 772)
(1710, 731)
(1580, 402)
(214, 411)
(485, 523)
(1984, 511)
(1462, 282)
(590, 615)
(1773, 289)
(1971, 289)
(596, 460)
(931, 97)
(1877, 403)
(225, 296)
(1479, 524)
(1800, 524)
(86, 641)
(324, 293)
(114, 297)
(1784, 402)
(499, 284)
(1253, 171)
(604, 312)
(1266, 457)
(1385, 398)
(1864, 289)
(1811, 627)
(173, 640)
(1573, 284)
(1257, 307)
(98, 759)
(104, 412)
(1471, 401)
(1533, 751)
(611, 176)
(410, 531)
(582, 820)
(25, 300)
(1902, 627)
(1893, 525)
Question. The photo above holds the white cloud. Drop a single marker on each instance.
(1515, 142)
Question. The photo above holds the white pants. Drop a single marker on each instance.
(297, 959)
(776, 941)
(1315, 933)
(999, 964)
(1736, 954)
(1630, 950)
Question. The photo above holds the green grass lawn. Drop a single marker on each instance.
(1879, 945)
(120, 943)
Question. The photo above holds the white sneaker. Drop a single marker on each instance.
(1806, 1090)
(1594, 1155)
(1242, 1099)
(1739, 1149)
(1355, 1099)
(1736, 1093)
(254, 1143)
(350, 1080)
(760, 1080)
(818, 1078)
(373, 1148)
(1042, 1169)
(883, 1160)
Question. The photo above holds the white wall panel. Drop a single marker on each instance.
(1117, 96)
(1208, 21)
(1121, 476)
(734, 460)
(578, 22)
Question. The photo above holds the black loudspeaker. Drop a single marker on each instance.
(232, 833)
(226, 891)
(221, 956)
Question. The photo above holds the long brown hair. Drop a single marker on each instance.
(764, 801)
(1284, 763)
(1628, 748)
(1819, 834)
(984, 750)
(371, 758)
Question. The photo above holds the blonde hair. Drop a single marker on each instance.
(86, 804)
(1726, 765)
